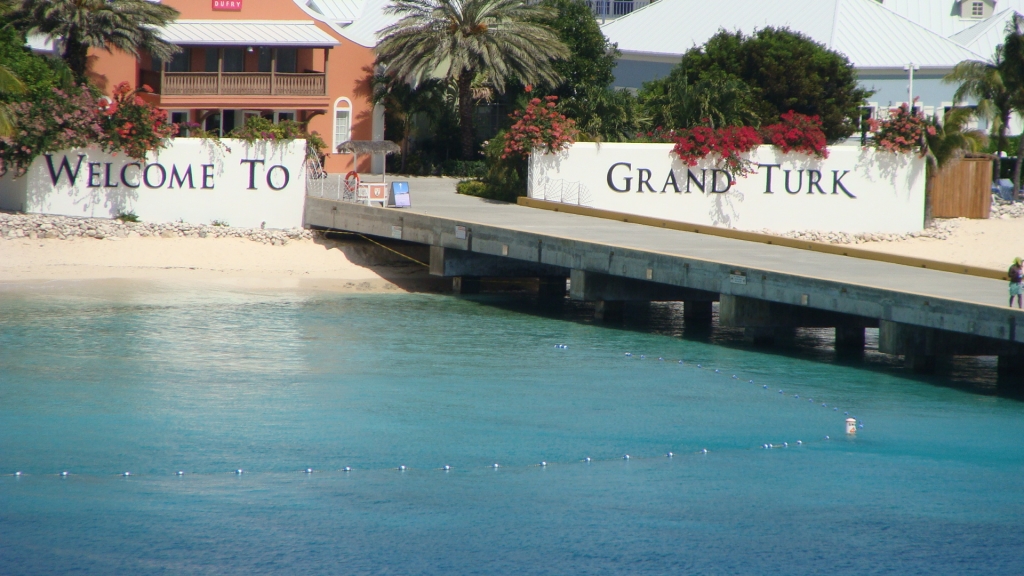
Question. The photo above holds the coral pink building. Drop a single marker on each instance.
(309, 61)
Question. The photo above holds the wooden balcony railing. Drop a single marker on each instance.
(242, 84)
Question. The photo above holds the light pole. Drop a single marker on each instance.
(910, 86)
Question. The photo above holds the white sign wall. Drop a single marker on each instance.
(854, 190)
(193, 180)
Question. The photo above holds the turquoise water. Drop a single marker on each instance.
(134, 378)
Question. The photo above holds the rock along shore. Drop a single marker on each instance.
(34, 226)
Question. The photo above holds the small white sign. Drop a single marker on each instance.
(460, 232)
(396, 232)
(737, 278)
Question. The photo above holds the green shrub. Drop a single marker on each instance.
(127, 217)
(472, 188)
(464, 168)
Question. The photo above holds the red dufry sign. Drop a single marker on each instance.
(227, 5)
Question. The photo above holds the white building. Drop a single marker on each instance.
(881, 38)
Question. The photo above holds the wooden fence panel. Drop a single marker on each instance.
(963, 189)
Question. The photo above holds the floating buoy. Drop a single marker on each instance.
(660, 359)
(629, 354)
(765, 386)
(823, 405)
(785, 444)
(402, 468)
(309, 470)
(181, 472)
(239, 471)
(625, 457)
(733, 376)
(680, 361)
(796, 395)
(447, 467)
(18, 473)
(717, 370)
(126, 474)
(835, 409)
(704, 451)
(799, 442)
(780, 391)
(643, 357)
(751, 382)
(846, 413)
(543, 464)
(64, 473)
(826, 437)
(346, 469)
(587, 459)
(669, 455)
(860, 425)
(851, 426)
(765, 446)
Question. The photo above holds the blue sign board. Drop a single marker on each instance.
(399, 195)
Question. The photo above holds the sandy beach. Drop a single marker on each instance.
(992, 243)
(353, 264)
(349, 266)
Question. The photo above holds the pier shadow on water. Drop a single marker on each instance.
(974, 374)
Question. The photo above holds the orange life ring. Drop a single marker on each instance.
(352, 188)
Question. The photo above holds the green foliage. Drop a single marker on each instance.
(131, 26)
(260, 128)
(127, 217)
(951, 140)
(470, 42)
(472, 188)
(585, 96)
(219, 223)
(24, 75)
(715, 99)
(782, 70)
(464, 168)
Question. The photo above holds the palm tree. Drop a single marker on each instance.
(401, 99)
(463, 41)
(9, 84)
(1013, 50)
(986, 82)
(129, 25)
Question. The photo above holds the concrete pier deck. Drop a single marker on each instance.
(880, 291)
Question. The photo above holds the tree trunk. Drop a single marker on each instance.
(1017, 167)
(1004, 121)
(405, 140)
(465, 84)
(76, 56)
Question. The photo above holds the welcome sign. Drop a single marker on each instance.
(853, 190)
(193, 180)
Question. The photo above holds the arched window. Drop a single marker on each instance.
(342, 121)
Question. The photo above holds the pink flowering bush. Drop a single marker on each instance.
(540, 125)
(797, 133)
(727, 145)
(902, 132)
(62, 120)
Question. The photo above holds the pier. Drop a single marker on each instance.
(767, 290)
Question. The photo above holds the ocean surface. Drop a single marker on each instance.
(135, 378)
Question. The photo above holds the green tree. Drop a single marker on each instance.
(585, 93)
(24, 75)
(1012, 75)
(783, 70)
(467, 42)
(403, 102)
(986, 83)
(715, 98)
(128, 25)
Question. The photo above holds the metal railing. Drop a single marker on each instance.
(242, 84)
(615, 8)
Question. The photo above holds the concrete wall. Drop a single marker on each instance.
(194, 180)
(853, 191)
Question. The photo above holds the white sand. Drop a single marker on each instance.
(334, 266)
(231, 263)
(986, 243)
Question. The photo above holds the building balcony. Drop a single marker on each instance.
(238, 84)
(610, 9)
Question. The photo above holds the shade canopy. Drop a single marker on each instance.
(368, 147)
(287, 33)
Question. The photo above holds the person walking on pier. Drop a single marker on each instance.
(1016, 274)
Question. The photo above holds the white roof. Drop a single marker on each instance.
(296, 33)
(356, 20)
(939, 16)
(984, 36)
(868, 34)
